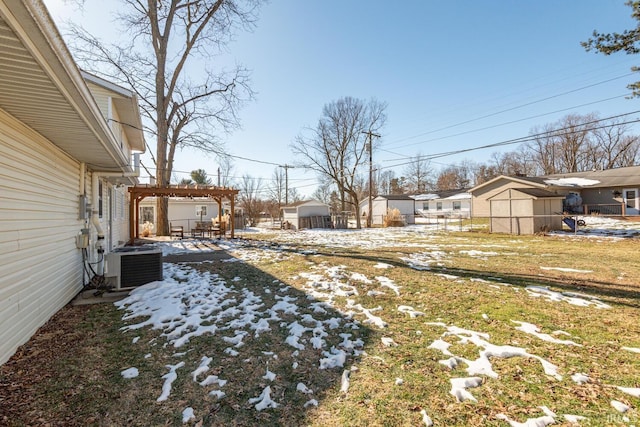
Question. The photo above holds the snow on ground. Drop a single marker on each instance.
(566, 270)
(189, 303)
(570, 297)
(603, 227)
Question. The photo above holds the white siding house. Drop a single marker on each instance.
(182, 211)
(57, 151)
(445, 204)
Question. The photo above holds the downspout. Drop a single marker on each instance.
(83, 171)
(95, 219)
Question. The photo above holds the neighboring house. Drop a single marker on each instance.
(65, 159)
(306, 214)
(381, 204)
(606, 192)
(182, 211)
(452, 203)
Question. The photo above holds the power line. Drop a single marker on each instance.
(506, 110)
(506, 123)
(518, 140)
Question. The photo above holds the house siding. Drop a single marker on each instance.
(40, 266)
(120, 217)
(182, 212)
(293, 214)
(104, 99)
(481, 206)
(381, 205)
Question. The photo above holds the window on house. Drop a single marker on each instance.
(100, 199)
(425, 206)
(146, 214)
(438, 206)
(457, 206)
(201, 210)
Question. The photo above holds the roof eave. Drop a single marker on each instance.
(31, 22)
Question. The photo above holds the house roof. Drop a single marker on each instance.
(618, 177)
(528, 180)
(428, 196)
(126, 103)
(536, 193)
(305, 203)
(395, 197)
(441, 195)
(41, 86)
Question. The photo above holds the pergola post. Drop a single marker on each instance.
(233, 215)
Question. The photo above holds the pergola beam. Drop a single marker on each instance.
(139, 192)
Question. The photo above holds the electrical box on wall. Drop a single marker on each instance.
(83, 207)
(82, 239)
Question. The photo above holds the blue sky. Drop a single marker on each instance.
(455, 74)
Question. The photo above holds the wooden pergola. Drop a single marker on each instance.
(139, 192)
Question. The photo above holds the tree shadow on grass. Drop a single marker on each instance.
(606, 291)
(262, 333)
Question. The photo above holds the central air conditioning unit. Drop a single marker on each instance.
(129, 267)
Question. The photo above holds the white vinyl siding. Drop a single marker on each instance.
(40, 267)
(120, 220)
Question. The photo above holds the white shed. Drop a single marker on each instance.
(306, 214)
(380, 205)
(53, 136)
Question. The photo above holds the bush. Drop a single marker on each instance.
(393, 218)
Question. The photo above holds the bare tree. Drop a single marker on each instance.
(277, 188)
(225, 170)
(543, 149)
(397, 185)
(383, 180)
(418, 175)
(456, 177)
(485, 173)
(337, 147)
(183, 108)
(323, 192)
(612, 147)
(249, 198)
(512, 163)
(294, 195)
(562, 147)
(573, 142)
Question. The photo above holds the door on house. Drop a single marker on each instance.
(631, 201)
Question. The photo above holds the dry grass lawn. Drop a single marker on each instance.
(69, 373)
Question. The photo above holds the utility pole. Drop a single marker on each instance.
(370, 149)
(218, 176)
(286, 180)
